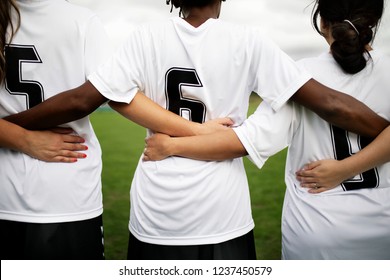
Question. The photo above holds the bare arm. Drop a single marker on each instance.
(327, 174)
(80, 102)
(217, 146)
(340, 109)
(62, 108)
(146, 113)
(43, 145)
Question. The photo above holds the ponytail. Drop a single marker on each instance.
(349, 46)
(353, 24)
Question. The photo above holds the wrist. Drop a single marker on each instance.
(197, 129)
(21, 143)
(349, 168)
(172, 147)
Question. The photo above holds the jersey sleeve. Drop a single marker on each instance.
(267, 132)
(276, 76)
(121, 77)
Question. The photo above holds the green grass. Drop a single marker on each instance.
(122, 143)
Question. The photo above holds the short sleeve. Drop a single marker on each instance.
(266, 132)
(277, 76)
(121, 77)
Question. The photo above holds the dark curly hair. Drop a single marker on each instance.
(185, 4)
(354, 24)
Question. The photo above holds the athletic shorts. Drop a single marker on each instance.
(240, 248)
(81, 240)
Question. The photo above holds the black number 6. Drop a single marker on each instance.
(175, 79)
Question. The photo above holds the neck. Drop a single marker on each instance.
(198, 16)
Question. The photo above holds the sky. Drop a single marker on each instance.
(287, 22)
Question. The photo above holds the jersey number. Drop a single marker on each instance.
(175, 79)
(343, 148)
(16, 56)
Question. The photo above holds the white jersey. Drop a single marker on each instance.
(200, 73)
(351, 221)
(54, 51)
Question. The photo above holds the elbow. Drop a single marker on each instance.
(332, 111)
(84, 100)
(79, 107)
(338, 113)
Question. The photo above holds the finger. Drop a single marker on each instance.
(306, 180)
(64, 159)
(303, 173)
(62, 130)
(307, 169)
(310, 186)
(74, 147)
(72, 139)
(145, 158)
(71, 154)
(317, 190)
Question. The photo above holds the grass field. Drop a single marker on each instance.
(122, 143)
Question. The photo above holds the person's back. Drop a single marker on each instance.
(53, 50)
(211, 76)
(350, 221)
(357, 212)
(207, 71)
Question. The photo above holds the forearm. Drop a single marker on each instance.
(217, 146)
(146, 113)
(376, 153)
(59, 109)
(12, 136)
(340, 109)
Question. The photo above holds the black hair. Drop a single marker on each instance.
(185, 4)
(354, 24)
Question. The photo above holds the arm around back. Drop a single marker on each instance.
(62, 108)
(340, 109)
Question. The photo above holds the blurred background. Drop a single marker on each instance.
(287, 22)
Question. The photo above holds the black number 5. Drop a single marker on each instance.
(342, 148)
(175, 79)
(16, 55)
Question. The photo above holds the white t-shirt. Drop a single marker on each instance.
(201, 73)
(54, 50)
(351, 221)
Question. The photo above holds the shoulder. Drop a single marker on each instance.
(66, 11)
(379, 57)
(323, 61)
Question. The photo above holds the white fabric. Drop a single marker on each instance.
(180, 201)
(336, 224)
(64, 37)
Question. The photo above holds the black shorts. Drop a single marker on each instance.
(81, 240)
(240, 248)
